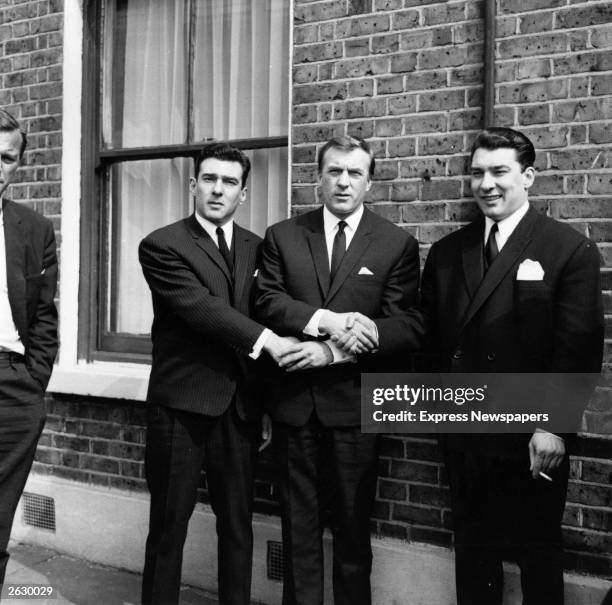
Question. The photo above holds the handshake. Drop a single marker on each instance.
(352, 333)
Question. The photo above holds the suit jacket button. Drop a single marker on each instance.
(491, 356)
(457, 354)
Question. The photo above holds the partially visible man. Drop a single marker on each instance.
(513, 292)
(343, 273)
(202, 412)
(28, 330)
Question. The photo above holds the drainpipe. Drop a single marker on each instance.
(489, 63)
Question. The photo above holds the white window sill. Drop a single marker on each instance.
(102, 379)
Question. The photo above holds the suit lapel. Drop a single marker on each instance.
(504, 262)
(204, 241)
(359, 244)
(472, 255)
(14, 242)
(242, 260)
(318, 250)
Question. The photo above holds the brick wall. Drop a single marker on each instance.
(408, 75)
(31, 89)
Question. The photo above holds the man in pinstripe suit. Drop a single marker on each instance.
(201, 414)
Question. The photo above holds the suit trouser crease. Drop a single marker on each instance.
(22, 417)
(179, 445)
(344, 463)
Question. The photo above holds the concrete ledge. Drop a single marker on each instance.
(109, 526)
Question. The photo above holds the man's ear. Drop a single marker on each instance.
(369, 184)
(528, 176)
(243, 195)
(192, 185)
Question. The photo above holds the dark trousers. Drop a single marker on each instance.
(344, 462)
(22, 417)
(179, 445)
(501, 512)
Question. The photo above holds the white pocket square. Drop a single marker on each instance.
(256, 273)
(530, 270)
(365, 271)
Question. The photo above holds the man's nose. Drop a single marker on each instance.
(343, 179)
(218, 187)
(487, 181)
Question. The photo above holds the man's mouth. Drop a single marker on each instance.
(490, 198)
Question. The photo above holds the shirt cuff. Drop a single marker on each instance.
(338, 354)
(259, 343)
(538, 430)
(312, 327)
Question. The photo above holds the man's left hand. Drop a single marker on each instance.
(546, 452)
(305, 355)
(266, 432)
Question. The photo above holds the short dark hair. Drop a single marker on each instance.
(9, 124)
(227, 153)
(347, 143)
(498, 138)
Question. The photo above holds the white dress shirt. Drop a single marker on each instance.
(9, 337)
(506, 226)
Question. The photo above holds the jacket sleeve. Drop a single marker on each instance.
(175, 285)
(401, 327)
(274, 306)
(42, 340)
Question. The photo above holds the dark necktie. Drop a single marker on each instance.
(338, 249)
(225, 253)
(491, 250)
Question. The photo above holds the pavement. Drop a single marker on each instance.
(75, 581)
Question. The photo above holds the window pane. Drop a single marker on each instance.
(145, 89)
(267, 201)
(145, 195)
(241, 69)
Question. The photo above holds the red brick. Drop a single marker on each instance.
(580, 159)
(304, 113)
(416, 514)
(404, 191)
(319, 92)
(581, 63)
(435, 122)
(402, 104)
(392, 490)
(432, 536)
(594, 14)
(547, 184)
(302, 74)
(579, 87)
(441, 190)
(600, 183)
(585, 110)
(422, 167)
(444, 99)
(357, 47)
(389, 85)
(429, 234)
(600, 133)
(386, 5)
(602, 37)
(462, 211)
(361, 88)
(422, 212)
(535, 22)
(532, 45)
(363, 26)
(553, 136)
(466, 75)
(305, 34)
(319, 11)
(317, 52)
(467, 32)
(327, 32)
(536, 91)
(583, 208)
(450, 12)
(601, 85)
(533, 114)
(506, 26)
(519, 6)
(425, 81)
(357, 7)
(389, 211)
(356, 68)
(363, 129)
(442, 57)
(433, 145)
(404, 63)
(408, 19)
(302, 195)
(533, 68)
(416, 40)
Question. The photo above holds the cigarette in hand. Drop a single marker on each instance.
(545, 476)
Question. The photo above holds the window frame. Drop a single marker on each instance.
(94, 342)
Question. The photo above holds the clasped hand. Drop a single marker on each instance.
(352, 332)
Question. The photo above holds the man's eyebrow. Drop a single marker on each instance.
(223, 177)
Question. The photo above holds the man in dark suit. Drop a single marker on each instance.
(342, 272)
(512, 292)
(28, 330)
(201, 412)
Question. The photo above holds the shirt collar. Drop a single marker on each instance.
(507, 225)
(211, 229)
(330, 221)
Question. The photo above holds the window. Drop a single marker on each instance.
(173, 75)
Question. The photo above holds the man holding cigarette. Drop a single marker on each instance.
(512, 292)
